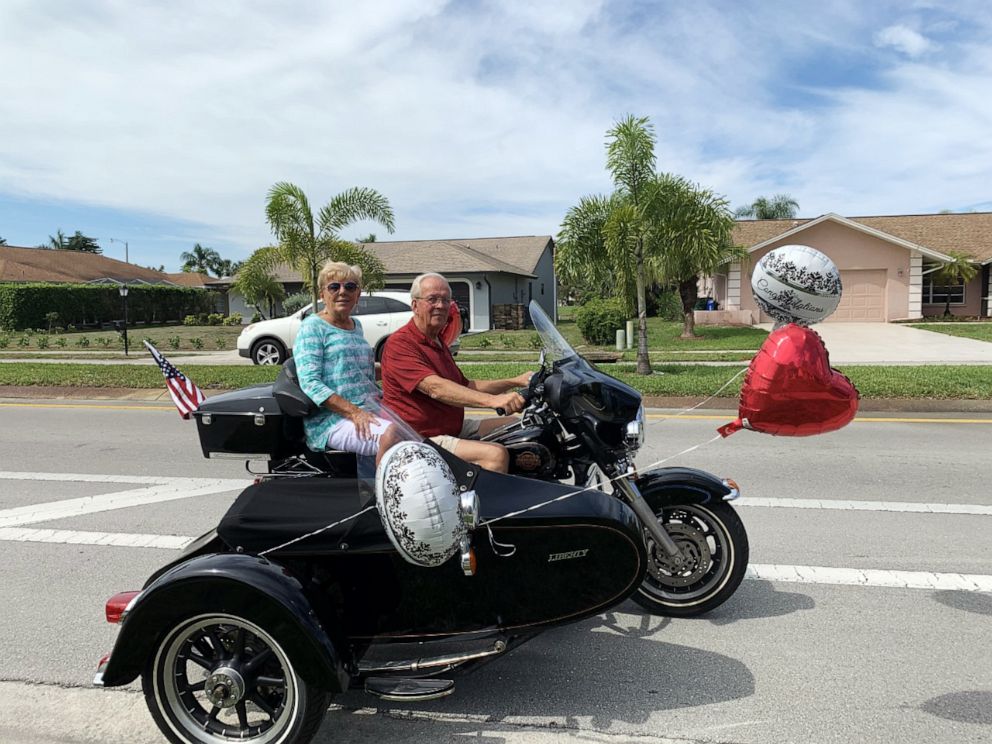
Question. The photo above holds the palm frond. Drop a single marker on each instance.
(352, 205)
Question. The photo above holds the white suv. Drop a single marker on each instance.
(271, 341)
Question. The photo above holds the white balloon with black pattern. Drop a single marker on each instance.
(419, 504)
(796, 284)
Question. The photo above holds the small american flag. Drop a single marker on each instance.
(185, 394)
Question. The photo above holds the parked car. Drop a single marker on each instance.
(271, 341)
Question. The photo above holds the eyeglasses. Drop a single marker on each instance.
(435, 300)
(347, 286)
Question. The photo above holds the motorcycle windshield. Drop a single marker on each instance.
(556, 348)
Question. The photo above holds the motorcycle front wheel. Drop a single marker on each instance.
(713, 551)
(220, 678)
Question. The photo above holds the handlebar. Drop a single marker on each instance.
(527, 394)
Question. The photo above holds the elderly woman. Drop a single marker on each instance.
(336, 369)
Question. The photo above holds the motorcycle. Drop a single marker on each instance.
(303, 590)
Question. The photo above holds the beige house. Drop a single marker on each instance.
(886, 264)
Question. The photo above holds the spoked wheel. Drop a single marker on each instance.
(713, 555)
(218, 678)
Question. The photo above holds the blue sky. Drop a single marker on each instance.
(164, 124)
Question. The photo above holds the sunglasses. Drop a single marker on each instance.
(347, 286)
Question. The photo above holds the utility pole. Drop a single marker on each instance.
(115, 240)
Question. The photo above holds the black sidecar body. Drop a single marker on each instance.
(251, 620)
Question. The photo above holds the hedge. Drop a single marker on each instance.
(25, 305)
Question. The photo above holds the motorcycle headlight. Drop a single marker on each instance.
(635, 431)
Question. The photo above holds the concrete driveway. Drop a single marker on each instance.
(893, 343)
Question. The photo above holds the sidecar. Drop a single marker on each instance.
(300, 593)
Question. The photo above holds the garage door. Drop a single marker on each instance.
(863, 299)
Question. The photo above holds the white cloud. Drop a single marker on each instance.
(481, 118)
(904, 39)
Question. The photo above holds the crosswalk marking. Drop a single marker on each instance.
(160, 489)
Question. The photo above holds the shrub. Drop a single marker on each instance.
(42, 342)
(189, 320)
(535, 341)
(215, 319)
(83, 341)
(234, 319)
(196, 343)
(485, 342)
(23, 341)
(666, 305)
(220, 342)
(105, 341)
(598, 320)
(61, 342)
(4, 342)
(174, 342)
(295, 301)
(256, 316)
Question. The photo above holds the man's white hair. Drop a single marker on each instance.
(415, 287)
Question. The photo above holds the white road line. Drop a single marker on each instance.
(75, 537)
(886, 506)
(167, 489)
(870, 577)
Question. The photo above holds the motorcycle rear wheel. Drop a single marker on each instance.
(220, 678)
(715, 550)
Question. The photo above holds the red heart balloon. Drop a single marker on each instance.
(453, 328)
(790, 389)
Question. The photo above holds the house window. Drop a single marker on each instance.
(937, 294)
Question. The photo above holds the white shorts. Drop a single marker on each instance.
(470, 430)
(344, 436)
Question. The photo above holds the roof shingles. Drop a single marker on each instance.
(969, 233)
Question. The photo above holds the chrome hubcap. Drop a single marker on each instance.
(224, 687)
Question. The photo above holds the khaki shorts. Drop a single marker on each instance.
(470, 430)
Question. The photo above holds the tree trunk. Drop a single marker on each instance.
(643, 360)
(687, 293)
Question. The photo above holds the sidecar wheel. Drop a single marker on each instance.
(219, 679)
(714, 552)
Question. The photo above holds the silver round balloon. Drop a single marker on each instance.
(419, 504)
(796, 284)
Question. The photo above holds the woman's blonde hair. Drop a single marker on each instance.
(340, 271)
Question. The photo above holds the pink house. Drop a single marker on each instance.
(886, 264)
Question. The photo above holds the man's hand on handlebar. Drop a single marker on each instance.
(508, 403)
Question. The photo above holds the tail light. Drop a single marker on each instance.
(119, 604)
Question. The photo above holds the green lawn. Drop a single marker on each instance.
(977, 331)
(663, 335)
(166, 338)
(926, 382)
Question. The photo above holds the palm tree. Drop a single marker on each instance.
(779, 207)
(582, 263)
(83, 243)
(691, 235)
(57, 241)
(200, 260)
(630, 160)
(959, 270)
(306, 244)
(258, 286)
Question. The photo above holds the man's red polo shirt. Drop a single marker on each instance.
(408, 357)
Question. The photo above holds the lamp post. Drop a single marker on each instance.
(123, 290)
(116, 240)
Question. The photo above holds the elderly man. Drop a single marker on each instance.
(422, 383)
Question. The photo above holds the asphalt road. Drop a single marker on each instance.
(799, 654)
